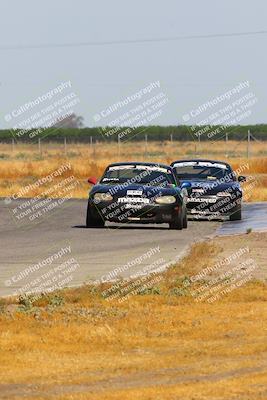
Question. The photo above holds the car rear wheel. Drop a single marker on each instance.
(178, 221)
(236, 215)
(92, 222)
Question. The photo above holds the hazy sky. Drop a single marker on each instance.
(190, 71)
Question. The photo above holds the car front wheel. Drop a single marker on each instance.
(236, 215)
(185, 221)
(92, 222)
(178, 221)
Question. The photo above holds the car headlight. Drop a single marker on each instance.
(102, 197)
(224, 194)
(165, 200)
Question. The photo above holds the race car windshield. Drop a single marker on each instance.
(143, 176)
(197, 172)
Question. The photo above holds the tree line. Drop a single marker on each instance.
(151, 133)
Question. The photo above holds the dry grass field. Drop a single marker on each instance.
(161, 344)
(24, 164)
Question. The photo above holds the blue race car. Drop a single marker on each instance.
(215, 188)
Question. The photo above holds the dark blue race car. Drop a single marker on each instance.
(140, 193)
(215, 188)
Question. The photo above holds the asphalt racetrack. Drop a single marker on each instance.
(27, 248)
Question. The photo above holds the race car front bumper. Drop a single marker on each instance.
(213, 205)
(136, 213)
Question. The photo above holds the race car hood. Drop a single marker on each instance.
(213, 187)
(119, 190)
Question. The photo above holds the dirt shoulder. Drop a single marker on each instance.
(164, 342)
(256, 245)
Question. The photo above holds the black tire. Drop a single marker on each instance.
(185, 220)
(92, 222)
(177, 222)
(236, 215)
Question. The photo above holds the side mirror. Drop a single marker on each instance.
(92, 180)
(242, 179)
(187, 186)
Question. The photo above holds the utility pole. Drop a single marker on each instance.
(226, 142)
(248, 145)
(13, 145)
(171, 138)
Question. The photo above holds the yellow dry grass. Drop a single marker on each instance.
(150, 347)
(25, 165)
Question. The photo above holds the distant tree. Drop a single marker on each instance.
(71, 121)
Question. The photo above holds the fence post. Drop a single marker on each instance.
(119, 146)
(248, 145)
(65, 145)
(39, 146)
(199, 143)
(94, 148)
